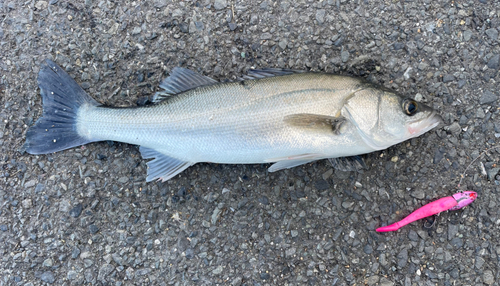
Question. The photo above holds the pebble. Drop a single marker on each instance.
(48, 277)
(41, 5)
(72, 275)
(492, 33)
(75, 252)
(320, 16)
(452, 231)
(448, 78)
(412, 235)
(487, 97)
(344, 56)
(48, 262)
(402, 258)
(27, 203)
(93, 229)
(418, 193)
(220, 4)
(494, 62)
(385, 282)
(76, 211)
(488, 277)
(457, 242)
(218, 270)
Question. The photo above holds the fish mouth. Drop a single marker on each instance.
(418, 128)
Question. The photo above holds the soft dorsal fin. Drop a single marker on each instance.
(181, 80)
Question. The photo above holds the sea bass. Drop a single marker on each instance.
(284, 117)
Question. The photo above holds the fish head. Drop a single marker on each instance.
(383, 118)
(464, 199)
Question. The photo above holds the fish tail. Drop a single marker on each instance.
(62, 97)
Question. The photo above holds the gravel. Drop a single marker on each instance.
(86, 215)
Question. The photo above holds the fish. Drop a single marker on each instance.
(285, 117)
(451, 203)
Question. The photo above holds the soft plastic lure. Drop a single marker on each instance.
(455, 202)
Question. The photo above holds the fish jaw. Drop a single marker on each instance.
(418, 128)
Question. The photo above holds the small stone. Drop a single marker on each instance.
(448, 78)
(418, 193)
(467, 35)
(236, 281)
(488, 277)
(479, 262)
(321, 185)
(27, 203)
(220, 4)
(47, 277)
(76, 211)
(385, 282)
(136, 30)
(461, 83)
(72, 275)
(320, 16)
(452, 231)
(265, 276)
(93, 229)
(373, 280)
(492, 34)
(48, 262)
(41, 5)
(488, 97)
(368, 249)
(294, 233)
(412, 235)
(398, 46)
(218, 270)
(75, 252)
(266, 36)
(457, 242)
(232, 26)
(123, 180)
(403, 258)
(494, 62)
(344, 56)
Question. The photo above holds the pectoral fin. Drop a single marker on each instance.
(316, 122)
(162, 167)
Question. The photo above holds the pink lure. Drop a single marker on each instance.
(455, 202)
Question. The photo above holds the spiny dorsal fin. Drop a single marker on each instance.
(268, 72)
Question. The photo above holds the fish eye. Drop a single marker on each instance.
(410, 106)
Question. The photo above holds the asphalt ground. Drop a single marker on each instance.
(87, 216)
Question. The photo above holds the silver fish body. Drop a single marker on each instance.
(275, 116)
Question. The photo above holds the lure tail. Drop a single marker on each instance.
(62, 97)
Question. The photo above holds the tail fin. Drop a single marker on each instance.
(61, 97)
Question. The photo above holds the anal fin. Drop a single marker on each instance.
(293, 161)
(288, 164)
(163, 167)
